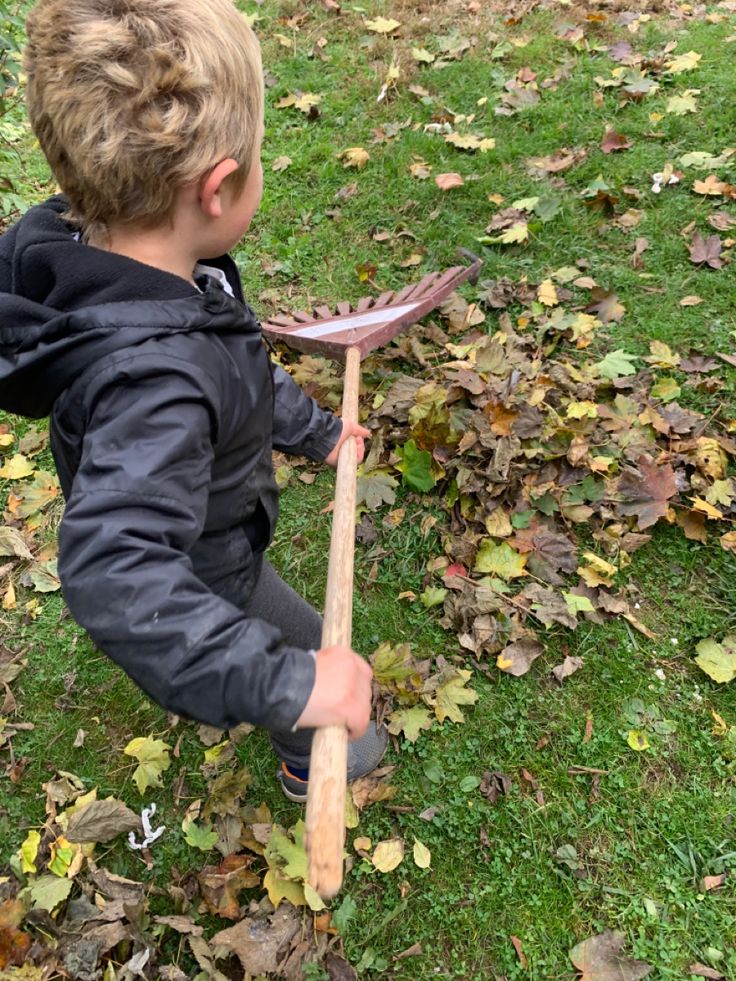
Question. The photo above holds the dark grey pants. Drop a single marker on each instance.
(276, 603)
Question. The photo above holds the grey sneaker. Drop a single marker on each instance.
(364, 755)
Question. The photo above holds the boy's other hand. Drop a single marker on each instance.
(349, 429)
(342, 692)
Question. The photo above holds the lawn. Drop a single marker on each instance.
(534, 817)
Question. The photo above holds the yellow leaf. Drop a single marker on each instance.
(707, 509)
(500, 560)
(279, 887)
(637, 740)
(451, 694)
(547, 293)
(519, 232)
(304, 102)
(284, 41)
(281, 163)
(362, 844)
(422, 55)
(16, 468)
(582, 410)
(213, 754)
(388, 854)
(382, 25)
(680, 105)
(6, 439)
(351, 812)
(597, 572)
(583, 324)
(422, 855)
(250, 19)
(354, 156)
(28, 852)
(153, 758)
(600, 464)
(684, 62)
(498, 524)
(710, 458)
(728, 541)
(9, 601)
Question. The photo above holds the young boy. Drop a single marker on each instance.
(164, 404)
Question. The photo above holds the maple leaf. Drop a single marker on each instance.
(153, 758)
(16, 468)
(616, 364)
(383, 25)
(375, 489)
(600, 959)
(613, 141)
(706, 251)
(470, 142)
(422, 55)
(305, 102)
(447, 692)
(410, 721)
(500, 560)
(646, 491)
(684, 62)
(680, 105)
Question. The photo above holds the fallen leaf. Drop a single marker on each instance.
(382, 25)
(153, 759)
(706, 251)
(646, 491)
(221, 884)
(354, 156)
(637, 740)
(569, 666)
(422, 855)
(388, 854)
(600, 959)
(684, 62)
(613, 141)
(517, 658)
(261, 944)
(281, 163)
(16, 468)
(718, 660)
(101, 821)
(446, 182)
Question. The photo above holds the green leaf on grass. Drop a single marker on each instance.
(49, 891)
(410, 721)
(199, 836)
(416, 467)
(500, 560)
(616, 364)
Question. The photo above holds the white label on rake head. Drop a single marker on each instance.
(380, 315)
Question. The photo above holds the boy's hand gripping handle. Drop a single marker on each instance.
(325, 817)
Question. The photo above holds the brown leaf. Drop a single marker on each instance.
(495, 784)
(556, 162)
(338, 968)
(446, 182)
(220, 885)
(519, 952)
(706, 251)
(613, 141)
(646, 491)
(517, 658)
(702, 971)
(722, 220)
(14, 944)
(569, 666)
(261, 944)
(372, 788)
(693, 524)
(713, 881)
(605, 306)
(101, 821)
(599, 958)
(182, 924)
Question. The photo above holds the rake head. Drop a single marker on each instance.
(372, 323)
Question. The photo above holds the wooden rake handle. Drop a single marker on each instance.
(325, 817)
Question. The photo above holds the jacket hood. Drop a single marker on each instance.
(65, 305)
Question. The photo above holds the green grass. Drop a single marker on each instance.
(648, 829)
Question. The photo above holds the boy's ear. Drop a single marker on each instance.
(210, 187)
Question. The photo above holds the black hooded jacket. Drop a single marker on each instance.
(164, 411)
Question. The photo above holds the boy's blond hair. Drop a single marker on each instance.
(133, 99)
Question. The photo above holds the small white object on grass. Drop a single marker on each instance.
(149, 835)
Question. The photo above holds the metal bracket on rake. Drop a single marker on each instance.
(373, 322)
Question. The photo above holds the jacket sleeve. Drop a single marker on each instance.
(137, 505)
(300, 426)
